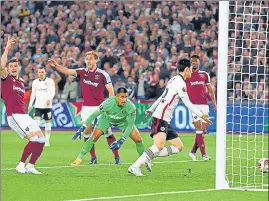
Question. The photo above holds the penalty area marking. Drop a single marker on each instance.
(143, 195)
(104, 164)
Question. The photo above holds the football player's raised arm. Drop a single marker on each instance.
(62, 69)
(130, 122)
(33, 94)
(8, 48)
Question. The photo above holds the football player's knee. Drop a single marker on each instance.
(160, 145)
(180, 146)
(138, 140)
(197, 125)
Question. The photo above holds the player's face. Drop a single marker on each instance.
(122, 98)
(195, 63)
(188, 72)
(91, 62)
(13, 69)
(41, 74)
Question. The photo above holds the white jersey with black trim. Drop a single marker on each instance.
(42, 90)
(164, 107)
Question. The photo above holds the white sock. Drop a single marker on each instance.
(29, 165)
(47, 132)
(167, 151)
(148, 155)
(21, 164)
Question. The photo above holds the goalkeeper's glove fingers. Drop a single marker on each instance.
(117, 144)
(78, 134)
(121, 140)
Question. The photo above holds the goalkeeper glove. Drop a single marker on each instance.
(79, 132)
(117, 144)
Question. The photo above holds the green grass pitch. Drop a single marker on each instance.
(107, 181)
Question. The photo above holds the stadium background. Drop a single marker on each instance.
(138, 44)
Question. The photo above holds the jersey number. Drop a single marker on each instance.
(164, 94)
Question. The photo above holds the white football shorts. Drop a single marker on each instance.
(22, 124)
(204, 109)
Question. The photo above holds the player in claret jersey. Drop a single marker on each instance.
(197, 87)
(120, 112)
(13, 95)
(93, 83)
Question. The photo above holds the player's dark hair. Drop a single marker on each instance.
(195, 56)
(41, 68)
(182, 64)
(13, 60)
(122, 90)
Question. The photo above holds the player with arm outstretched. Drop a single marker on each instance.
(162, 112)
(43, 91)
(93, 83)
(12, 93)
(116, 111)
(197, 86)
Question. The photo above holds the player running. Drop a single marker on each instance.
(43, 91)
(13, 95)
(116, 111)
(162, 113)
(93, 83)
(197, 86)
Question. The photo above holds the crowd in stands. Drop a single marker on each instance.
(138, 42)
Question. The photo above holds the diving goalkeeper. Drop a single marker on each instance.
(117, 111)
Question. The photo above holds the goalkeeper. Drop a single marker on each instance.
(117, 111)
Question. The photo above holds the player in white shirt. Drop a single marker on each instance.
(162, 112)
(43, 91)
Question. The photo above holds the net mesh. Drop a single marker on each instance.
(247, 107)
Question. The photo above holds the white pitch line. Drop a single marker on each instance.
(143, 195)
(104, 164)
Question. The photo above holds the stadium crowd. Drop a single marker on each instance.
(138, 43)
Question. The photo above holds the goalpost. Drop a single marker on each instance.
(242, 113)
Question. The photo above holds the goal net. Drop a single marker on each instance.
(247, 95)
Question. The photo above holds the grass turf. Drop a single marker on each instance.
(174, 173)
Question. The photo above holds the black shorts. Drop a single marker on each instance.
(159, 125)
(43, 112)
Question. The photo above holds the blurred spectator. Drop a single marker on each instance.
(131, 88)
(70, 89)
(143, 40)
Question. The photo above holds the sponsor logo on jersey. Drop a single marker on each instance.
(18, 89)
(197, 83)
(90, 83)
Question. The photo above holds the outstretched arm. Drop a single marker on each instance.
(62, 69)
(10, 43)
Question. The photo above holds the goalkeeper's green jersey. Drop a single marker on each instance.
(122, 117)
